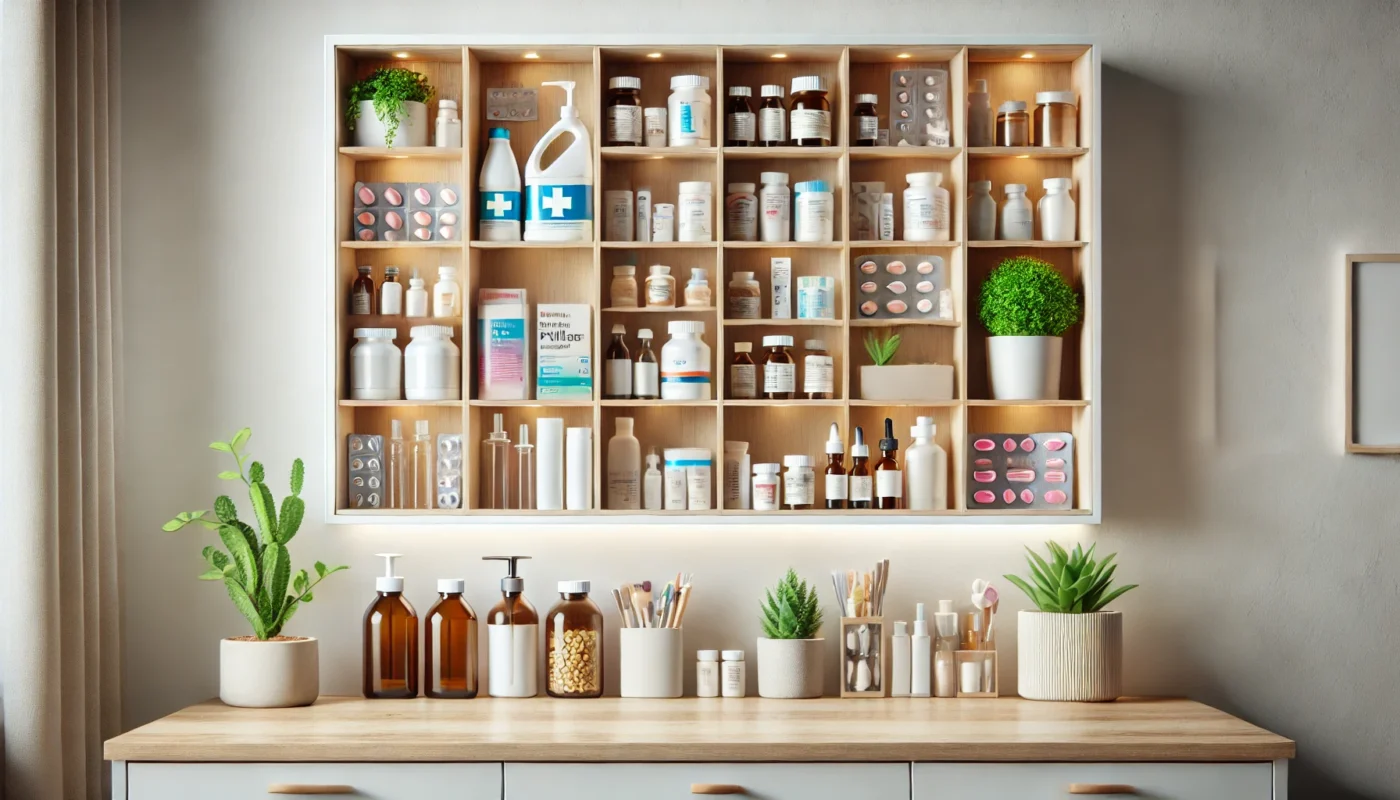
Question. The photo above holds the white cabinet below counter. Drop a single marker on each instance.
(296, 781)
(1057, 781)
(687, 781)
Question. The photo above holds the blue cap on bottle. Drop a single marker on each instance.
(499, 133)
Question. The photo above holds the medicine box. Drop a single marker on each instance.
(504, 358)
(563, 351)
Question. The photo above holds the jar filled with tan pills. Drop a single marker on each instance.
(574, 637)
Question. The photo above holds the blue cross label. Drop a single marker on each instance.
(498, 210)
(560, 206)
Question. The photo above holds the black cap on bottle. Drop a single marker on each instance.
(889, 443)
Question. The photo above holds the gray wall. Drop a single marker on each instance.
(1247, 147)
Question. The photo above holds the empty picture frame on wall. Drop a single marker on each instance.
(1373, 353)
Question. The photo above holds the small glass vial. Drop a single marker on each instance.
(624, 121)
(743, 297)
(739, 122)
(1013, 124)
(424, 456)
(391, 293)
(799, 483)
(362, 293)
(524, 494)
(733, 675)
(646, 377)
(493, 466)
(697, 289)
(743, 373)
(449, 644)
(865, 127)
(810, 113)
(779, 369)
(772, 117)
(707, 673)
(397, 465)
(818, 371)
(623, 291)
(574, 636)
(661, 287)
(766, 494)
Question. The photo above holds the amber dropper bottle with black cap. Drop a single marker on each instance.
(889, 480)
(862, 485)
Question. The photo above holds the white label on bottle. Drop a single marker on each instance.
(809, 123)
(765, 495)
(743, 381)
(625, 124)
(693, 218)
(889, 483)
(836, 487)
(617, 378)
(918, 213)
(775, 209)
(779, 377)
(867, 129)
(646, 379)
(862, 488)
(359, 302)
(739, 127)
(694, 119)
(772, 125)
(818, 374)
(940, 212)
(675, 498)
(660, 293)
(799, 486)
(743, 307)
(623, 489)
(741, 218)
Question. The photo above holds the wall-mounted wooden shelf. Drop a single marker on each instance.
(581, 272)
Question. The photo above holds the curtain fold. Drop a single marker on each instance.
(59, 393)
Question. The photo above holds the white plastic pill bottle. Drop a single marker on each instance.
(688, 109)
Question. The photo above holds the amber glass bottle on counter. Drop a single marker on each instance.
(390, 639)
(449, 644)
(574, 636)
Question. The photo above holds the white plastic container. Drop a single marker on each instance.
(981, 122)
(498, 191)
(740, 213)
(981, 213)
(685, 362)
(774, 208)
(1017, 219)
(694, 466)
(925, 469)
(415, 299)
(448, 131)
(559, 197)
(391, 294)
(549, 464)
(624, 466)
(432, 365)
(693, 219)
(663, 222)
(736, 475)
(1056, 211)
(799, 482)
(654, 124)
(926, 217)
(814, 208)
(578, 475)
(375, 365)
(733, 674)
(706, 672)
(688, 110)
(618, 215)
(447, 294)
(766, 494)
(643, 227)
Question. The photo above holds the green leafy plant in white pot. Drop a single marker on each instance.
(790, 651)
(266, 669)
(389, 108)
(882, 379)
(1026, 308)
(1070, 648)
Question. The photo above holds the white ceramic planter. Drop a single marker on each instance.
(1025, 367)
(1076, 657)
(907, 382)
(651, 662)
(412, 132)
(279, 673)
(790, 669)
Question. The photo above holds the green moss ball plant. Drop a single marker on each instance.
(1025, 296)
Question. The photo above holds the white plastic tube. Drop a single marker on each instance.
(549, 464)
(578, 449)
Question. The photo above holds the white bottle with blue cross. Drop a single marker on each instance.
(498, 192)
(559, 198)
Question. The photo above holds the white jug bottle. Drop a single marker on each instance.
(559, 197)
(925, 469)
(498, 191)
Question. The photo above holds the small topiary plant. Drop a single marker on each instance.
(1070, 583)
(1025, 296)
(881, 352)
(389, 88)
(791, 610)
(260, 568)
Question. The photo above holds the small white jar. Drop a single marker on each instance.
(375, 365)
(707, 673)
(1017, 219)
(432, 365)
(981, 213)
(767, 494)
(774, 208)
(733, 674)
(813, 210)
(1056, 211)
(663, 222)
(447, 295)
(926, 217)
(693, 221)
(740, 213)
(688, 109)
(685, 362)
(799, 482)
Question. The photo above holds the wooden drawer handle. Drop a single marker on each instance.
(309, 788)
(1102, 788)
(715, 788)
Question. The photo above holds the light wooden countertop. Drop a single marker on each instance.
(694, 729)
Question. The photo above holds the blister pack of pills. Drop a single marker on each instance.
(1020, 470)
(449, 470)
(901, 286)
(407, 212)
(919, 107)
(512, 104)
(366, 470)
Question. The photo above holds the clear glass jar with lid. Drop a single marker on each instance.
(1056, 120)
(574, 638)
(779, 369)
(432, 365)
(1013, 124)
(809, 114)
(375, 365)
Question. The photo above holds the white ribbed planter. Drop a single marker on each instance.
(1076, 657)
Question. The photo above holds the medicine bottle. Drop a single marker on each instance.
(779, 369)
(774, 208)
(1017, 219)
(1013, 124)
(733, 675)
(799, 483)
(646, 378)
(865, 127)
(743, 373)
(391, 293)
(1056, 120)
(685, 362)
(362, 292)
(390, 664)
(449, 644)
(622, 292)
(707, 673)
(415, 300)
(818, 371)
(980, 120)
(740, 213)
(813, 212)
(447, 295)
(697, 289)
(743, 297)
(766, 494)
(810, 112)
(693, 221)
(375, 365)
(661, 287)
(624, 121)
(432, 364)
(926, 217)
(889, 479)
(981, 213)
(574, 636)
(1056, 211)
(617, 367)
(739, 122)
(772, 117)
(836, 480)
(862, 485)
(688, 109)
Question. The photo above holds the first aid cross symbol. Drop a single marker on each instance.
(556, 203)
(498, 205)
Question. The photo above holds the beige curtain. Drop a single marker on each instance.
(59, 388)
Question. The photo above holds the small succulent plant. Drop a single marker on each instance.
(791, 610)
(881, 351)
(1070, 582)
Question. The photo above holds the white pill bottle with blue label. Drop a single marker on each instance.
(559, 197)
(498, 192)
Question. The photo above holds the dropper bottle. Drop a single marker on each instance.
(889, 481)
(493, 466)
(390, 639)
(862, 484)
(524, 471)
(513, 638)
(835, 470)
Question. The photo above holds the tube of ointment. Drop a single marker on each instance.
(643, 227)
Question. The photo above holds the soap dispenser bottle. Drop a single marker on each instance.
(513, 638)
(559, 197)
(449, 644)
(391, 639)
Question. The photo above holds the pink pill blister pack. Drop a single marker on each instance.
(909, 286)
(407, 212)
(1020, 470)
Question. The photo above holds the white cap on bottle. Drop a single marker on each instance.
(575, 587)
(923, 427)
(1043, 98)
(867, 98)
(808, 83)
(771, 90)
(690, 82)
(388, 582)
(733, 655)
(451, 586)
(706, 655)
(375, 333)
(777, 340)
(685, 326)
(797, 461)
(834, 445)
(920, 621)
(623, 82)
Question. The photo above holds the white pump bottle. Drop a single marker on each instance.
(559, 197)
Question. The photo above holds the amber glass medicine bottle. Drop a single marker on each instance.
(809, 114)
(889, 480)
(391, 639)
(862, 485)
(574, 636)
(449, 644)
(836, 480)
(624, 121)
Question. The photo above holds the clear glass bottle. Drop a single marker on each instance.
(493, 465)
(779, 369)
(397, 466)
(390, 663)
(743, 373)
(1013, 124)
(362, 293)
(424, 454)
(646, 373)
(524, 470)
(574, 636)
(449, 644)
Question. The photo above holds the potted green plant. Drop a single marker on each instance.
(883, 380)
(266, 669)
(790, 652)
(388, 106)
(1026, 307)
(1070, 648)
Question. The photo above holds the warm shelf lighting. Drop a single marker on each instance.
(401, 55)
(1020, 157)
(1028, 55)
(905, 55)
(653, 55)
(532, 55)
(780, 55)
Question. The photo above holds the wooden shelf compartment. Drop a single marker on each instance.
(791, 429)
(754, 66)
(481, 423)
(658, 426)
(893, 173)
(919, 344)
(806, 262)
(1012, 76)
(871, 70)
(522, 245)
(1032, 173)
(947, 419)
(1044, 418)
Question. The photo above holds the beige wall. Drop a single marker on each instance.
(1247, 147)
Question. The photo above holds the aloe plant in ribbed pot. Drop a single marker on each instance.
(267, 669)
(790, 652)
(1070, 648)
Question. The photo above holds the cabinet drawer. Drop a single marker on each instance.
(676, 781)
(164, 781)
(1053, 781)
